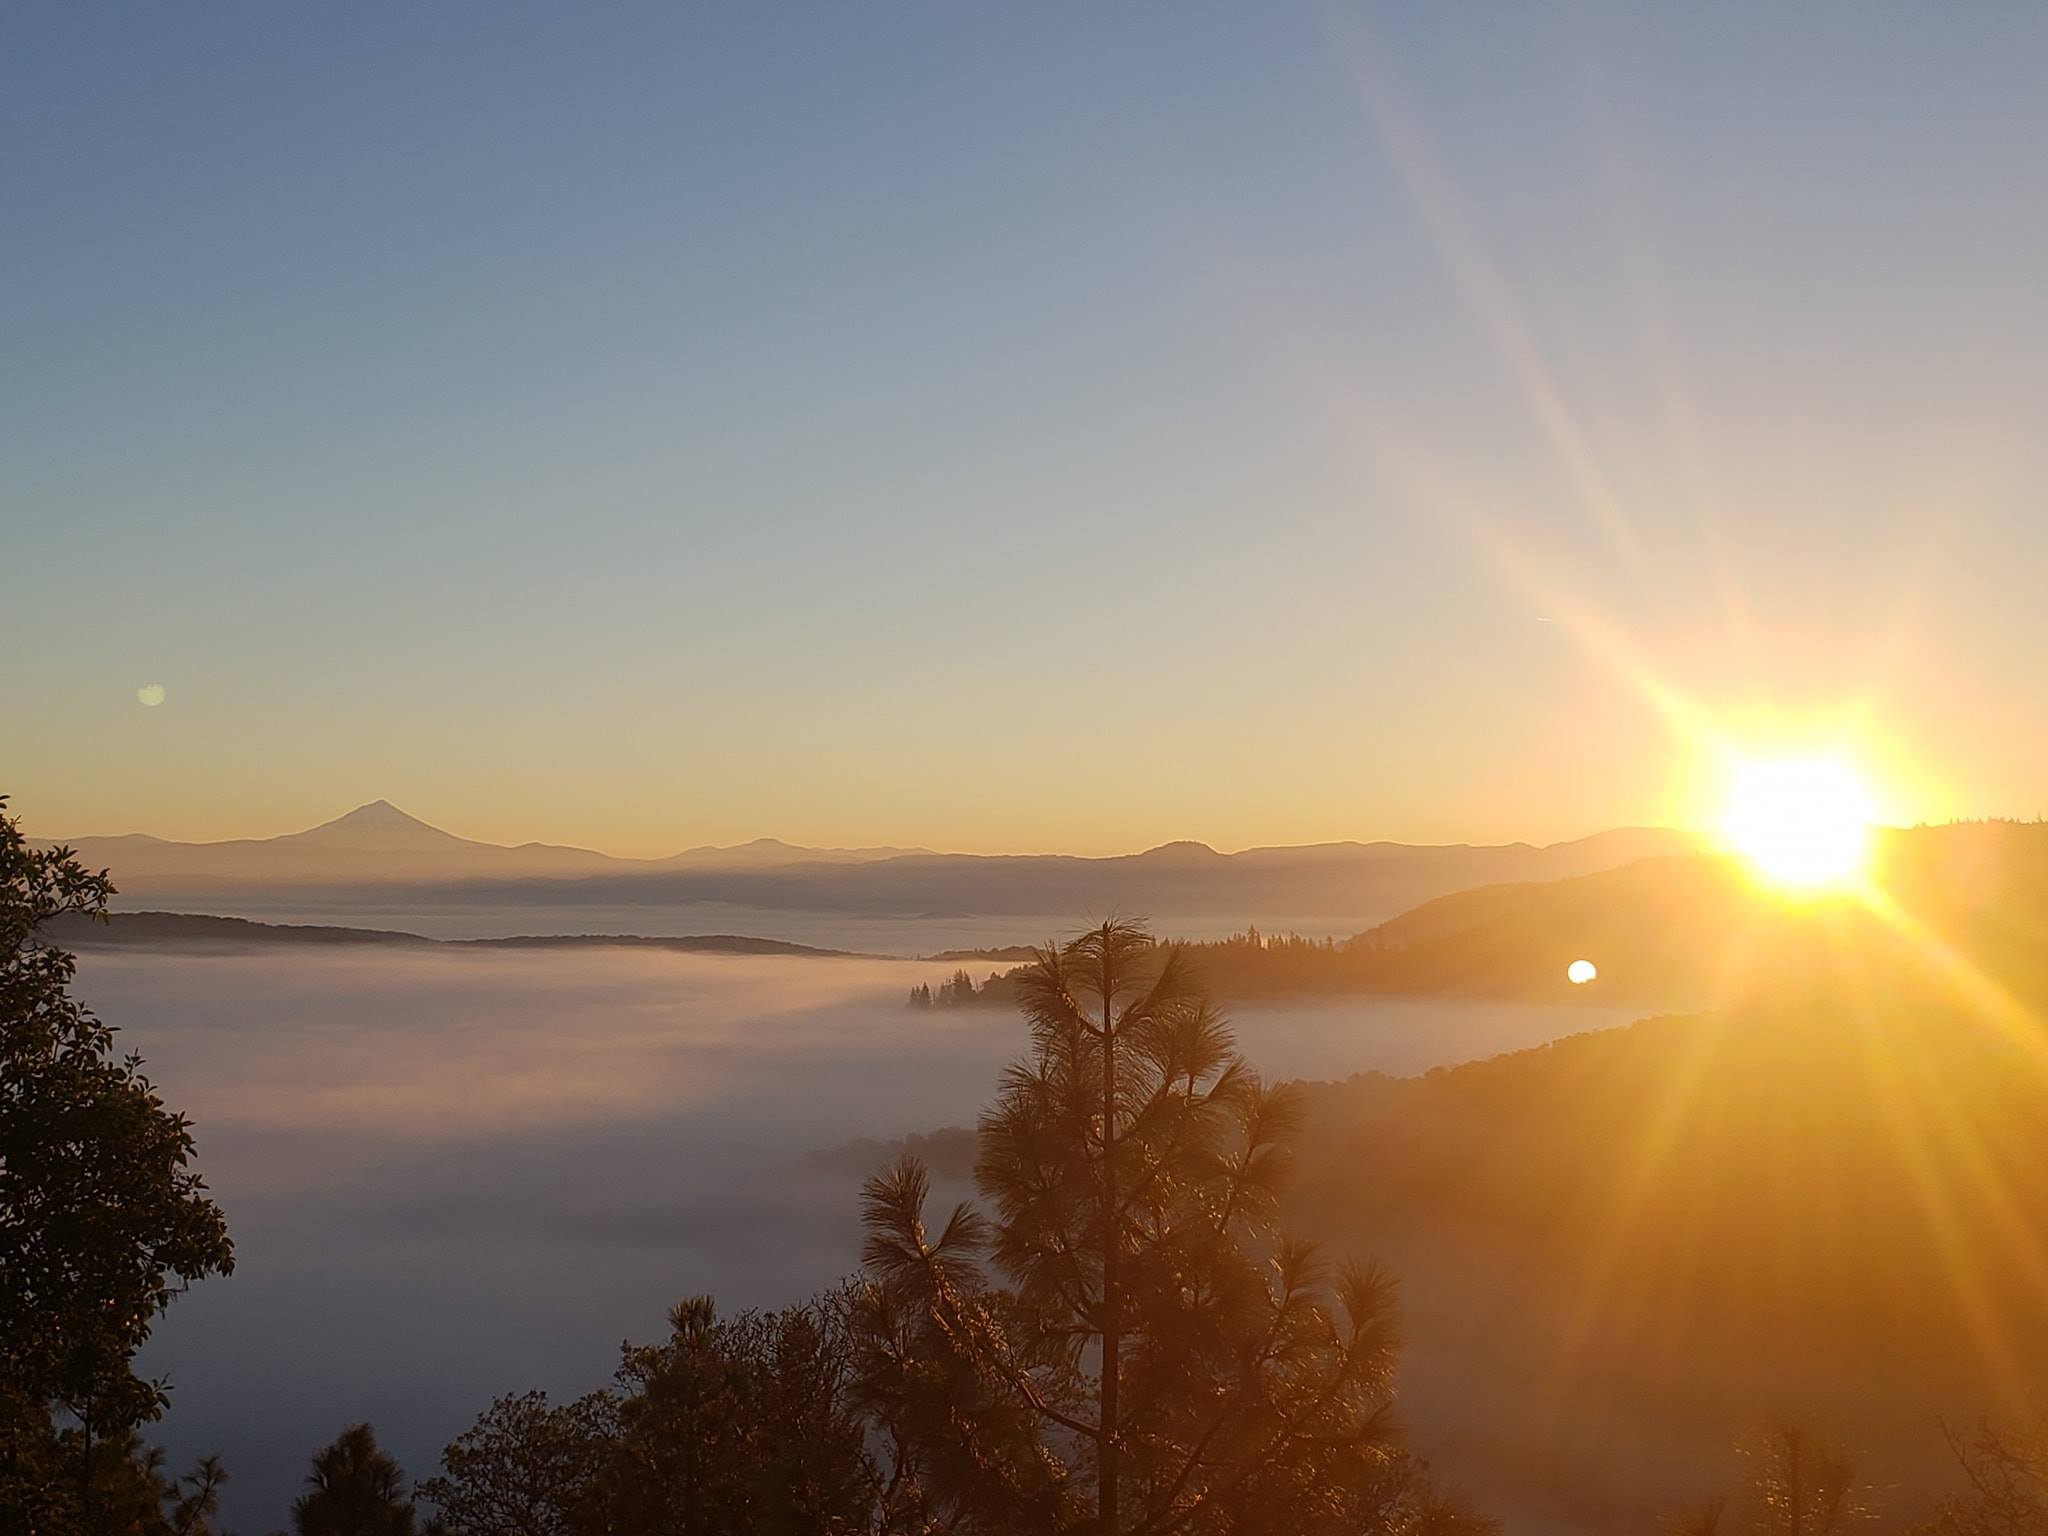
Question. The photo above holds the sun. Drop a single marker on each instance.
(1802, 822)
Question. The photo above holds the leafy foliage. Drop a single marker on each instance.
(64, 1484)
(102, 1218)
(525, 1468)
(740, 1426)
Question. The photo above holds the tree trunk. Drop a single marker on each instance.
(1106, 1451)
(85, 1469)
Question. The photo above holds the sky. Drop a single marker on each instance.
(988, 429)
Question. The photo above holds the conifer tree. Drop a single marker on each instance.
(738, 1426)
(354, 1489)
(1128, 1345)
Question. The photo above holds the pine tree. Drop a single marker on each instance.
(1161, 1358)
(354, 1489)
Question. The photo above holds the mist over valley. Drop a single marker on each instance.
(435, 1153)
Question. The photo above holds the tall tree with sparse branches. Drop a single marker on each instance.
(1158, 1357)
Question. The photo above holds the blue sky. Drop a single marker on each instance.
(641, 426)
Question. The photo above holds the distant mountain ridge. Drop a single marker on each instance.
(378, 842)
(1343, 886)
(379, 856)
(766, 852)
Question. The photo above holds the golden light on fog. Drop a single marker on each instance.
(1579, 972)
(1800, 822)
(150, 695)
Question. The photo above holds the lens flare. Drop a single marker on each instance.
(1801, 822)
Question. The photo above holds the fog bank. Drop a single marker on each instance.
(451, 1175)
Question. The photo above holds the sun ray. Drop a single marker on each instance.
(1938, 1201)
(1451, 231)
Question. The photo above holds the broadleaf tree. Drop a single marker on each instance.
(103, 1218)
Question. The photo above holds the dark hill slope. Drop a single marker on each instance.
(1623, 1251)
(1692, 932)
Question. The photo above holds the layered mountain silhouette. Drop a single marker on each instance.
(378, 843)
(1337, 884)
(771, 852)
(1945, 902)
(378, 852)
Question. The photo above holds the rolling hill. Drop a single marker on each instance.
(1693, 932)
(1625, 1251)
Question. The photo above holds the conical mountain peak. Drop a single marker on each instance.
(379, 824)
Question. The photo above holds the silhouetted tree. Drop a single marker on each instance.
(123, 1490)
(525, 1468)
(354, 1489)
(195, 1500)
(1799, 1483)
(1127, 1345)
(102, 1219)
(740, 1427)
(2006, 1467)
(1162, 1359)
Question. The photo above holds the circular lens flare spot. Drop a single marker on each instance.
(1800, 821)
(150, 695)
(1579, 972)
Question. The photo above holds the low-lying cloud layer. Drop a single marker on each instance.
(451, 1175)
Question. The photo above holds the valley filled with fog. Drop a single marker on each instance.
(904, 934)
(456, 1174)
